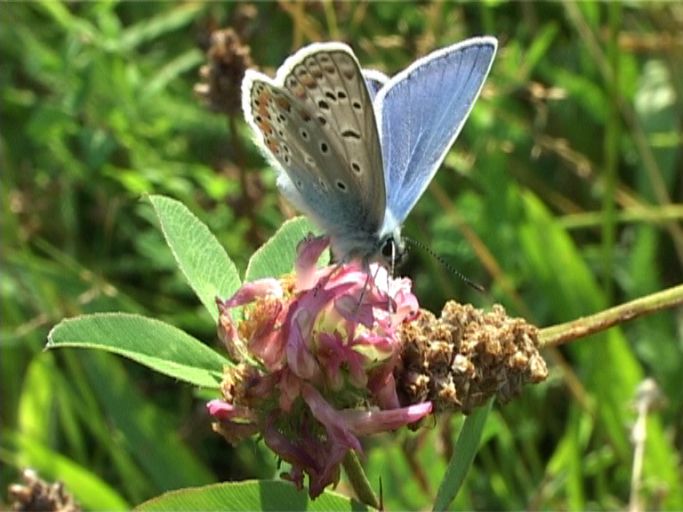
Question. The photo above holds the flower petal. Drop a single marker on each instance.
(267, 340)
(364, 423)
(299, 357)
(252, 291)
(222, 410)
(350, 307)
(229, 335)
(337, 430)
(290, 389)
(382, 385)
(299, 328)
(308, 253)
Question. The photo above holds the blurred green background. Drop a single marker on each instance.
(562, 196)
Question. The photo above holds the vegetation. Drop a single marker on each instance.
(562, 196)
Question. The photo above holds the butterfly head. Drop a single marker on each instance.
(392, 250)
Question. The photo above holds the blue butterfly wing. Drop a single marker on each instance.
(421, 112)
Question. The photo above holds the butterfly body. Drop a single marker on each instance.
(354, 149)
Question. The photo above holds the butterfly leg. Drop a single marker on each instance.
(368, 276)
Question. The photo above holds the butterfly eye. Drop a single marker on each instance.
(388, 248)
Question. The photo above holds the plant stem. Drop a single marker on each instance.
(562, 333)
(466, 448)
(359, 481)
(611, 153)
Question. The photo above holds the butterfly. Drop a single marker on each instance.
(354, 149)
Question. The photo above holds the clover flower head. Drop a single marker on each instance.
(315, 354)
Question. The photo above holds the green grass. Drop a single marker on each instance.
(562, 196)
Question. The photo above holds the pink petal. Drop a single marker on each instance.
(252, 291)
(299, 357)
(229, 336)
(331, 358)
(267, 341)
(331, 456)
(407, 307)
(337, 430)
(299, 329)
(382, 385)
(286, 449)
(290, 389)
(350, 308)
(220, 409)
(364, 423)
(224, 411)
(334, 354)
(384, 345)
(308, 254)
(307, 454)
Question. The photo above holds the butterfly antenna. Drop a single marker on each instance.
(445, 264)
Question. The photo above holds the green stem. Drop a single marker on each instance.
(651, 214)
(466, 448)
(359, 481)
(584, 326)
(611, 152)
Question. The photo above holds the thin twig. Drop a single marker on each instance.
(648, 398)
(584, 326)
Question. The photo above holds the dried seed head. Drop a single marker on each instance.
(228, 60)
(460, 360)
(36, 494)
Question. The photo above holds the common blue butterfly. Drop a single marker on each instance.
(354, 149)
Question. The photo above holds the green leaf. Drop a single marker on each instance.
(539, 46)
(171, 71)
(37, 396)
(139, 421)
(155, 344)
(148, 28)
(200, 256)
(249, 495)
(466, 448)
(277, 255)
